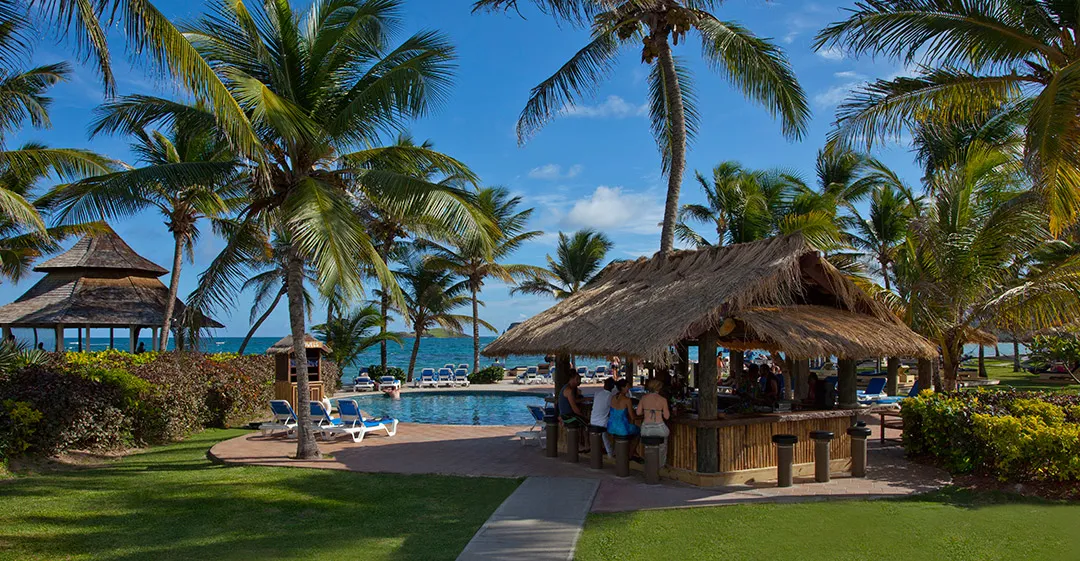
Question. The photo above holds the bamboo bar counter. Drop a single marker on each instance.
(777, 295)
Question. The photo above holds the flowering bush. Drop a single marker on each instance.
(1011, 435)
(112, 400)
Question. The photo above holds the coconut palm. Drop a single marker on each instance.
(882, 232)
(579, 260)
(188, 174)
(476, 260)
(754, 65)
(431, 295)
(976, 57)
(348, 336)
(321, 89)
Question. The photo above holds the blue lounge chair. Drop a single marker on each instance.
(875, 389)
(356, 425)
(460, 377)
(284, 418)
(583, 371)
(449, 366)
(532, 376)
(546, 377)
(427, 378)
(389, 382)
(601, 373)
(463, 366)
(536, 431)
(897, 398)
(445, 377)
(363, 383)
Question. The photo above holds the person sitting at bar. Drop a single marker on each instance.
(601, 408)
(772, 387)
(653, 409)
(570, 409)
(621, 419)
(811, 390)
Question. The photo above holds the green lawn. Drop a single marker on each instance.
(172, 503)
(953, 525)
(1002, 370)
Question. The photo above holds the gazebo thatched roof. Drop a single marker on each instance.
(779, 294)
(284, 346)
(99, 282)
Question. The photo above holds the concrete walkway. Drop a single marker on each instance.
(542, 519)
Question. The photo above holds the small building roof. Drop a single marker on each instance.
(768, 294)
(284, 346)
(103, 250)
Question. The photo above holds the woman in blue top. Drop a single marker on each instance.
(621, 418)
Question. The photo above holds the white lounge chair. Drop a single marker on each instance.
(362, 383)
(463, 366)
(461, 377)
(352, 419)
(536, 432)
(532, 376)
(427, 378)
(601, 373)
(389, 382)
(446, 377)
(586, 377)
(449, 366)
(284, 418)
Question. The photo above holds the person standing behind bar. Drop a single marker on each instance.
(600, 409)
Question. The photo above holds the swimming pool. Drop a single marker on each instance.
(455, 408)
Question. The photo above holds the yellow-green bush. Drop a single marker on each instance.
(1049, 413)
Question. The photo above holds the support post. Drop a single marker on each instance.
(787, 372)
(35, 338)
(846, 389)
(631, 367)
(822, 458)
(87, 331)
(708, 448)
(785, 458)
(735, 366)
(154, 340)
(59, 337)
(802, 378)
(858, 435)
(7, 332)
(133, 338)
(682, 369)
(562, 374)
(112, 340)
(892, 375)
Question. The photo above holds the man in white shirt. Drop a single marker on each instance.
(600, 409)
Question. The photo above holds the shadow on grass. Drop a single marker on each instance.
(172, 503)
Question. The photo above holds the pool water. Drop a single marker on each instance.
(454, 408)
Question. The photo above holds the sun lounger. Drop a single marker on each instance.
(461, 377)
(601, 373)
(875, 389)
(896, 399)
(450, 366)
(584, 373)
(389, 382)
(547, 377)
(427, 378)
(445, 378)
(353, 419)
(536, 431)
(284, 418)
(463, 366)
(362, 383)
(532, 376)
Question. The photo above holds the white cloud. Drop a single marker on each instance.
(835, 95)
(849, 75)
(552, 172)
(612, 107)
(832, 54)
(790, 37)
(612, 208)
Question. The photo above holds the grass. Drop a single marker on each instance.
(954, 525)
(1002, 370)
(172, 503)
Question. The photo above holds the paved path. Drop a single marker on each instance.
(542, 520)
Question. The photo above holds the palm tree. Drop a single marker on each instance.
(431, 295)
(976, 58)
(476, 261)
(579, 260)
(348, 335)
(320, 90)
(188, 174)
(754, 65)
(881, 234)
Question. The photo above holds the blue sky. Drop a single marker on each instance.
(596, 166)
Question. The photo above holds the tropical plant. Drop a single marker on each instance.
(348, 336)
(189, 173)
(882, 232)
(579, 259)
(754, 65)
(431, 295)
(976, 58)
(476, 260)
(743, 205)
(315, 88)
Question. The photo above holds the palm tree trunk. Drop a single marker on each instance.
(951, 364)
(885, 274)
(1016, 354)
(384, 310)
(475, 332)
(982, 361)
(677, 117)
(258, 323)
(306, 447)
(412, 358)
(174, 288)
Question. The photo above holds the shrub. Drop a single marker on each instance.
(490, 375)
(1011, 435)
(18, 422)
(376, 371)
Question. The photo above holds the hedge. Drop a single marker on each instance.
(112, 400)
(491, 375)
(1014, 436)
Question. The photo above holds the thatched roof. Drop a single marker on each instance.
(104, 250)
(284, 346)
(100, 282)
(776, 290)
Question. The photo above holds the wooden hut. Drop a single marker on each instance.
(101, 283)
(285, 368)
(777, 294)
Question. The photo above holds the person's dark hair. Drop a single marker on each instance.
(621, 384)
(609, 384)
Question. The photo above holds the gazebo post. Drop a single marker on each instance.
(112, 342)
(562, 373)
(846, 389)
(35, 338)
(788, 373)
(87, 329)
(707, 446)
(7, 332)
(154, 339)
(59, 337)
(631, 368)
(802, 380)
(735, 365)
(682, 369)
(892, 375)
(133, 338)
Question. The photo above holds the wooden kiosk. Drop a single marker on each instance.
(778, 295)
(285, 368)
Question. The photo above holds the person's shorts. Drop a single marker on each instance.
(574, 418)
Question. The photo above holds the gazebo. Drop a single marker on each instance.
(99, 283)
(778, 295)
